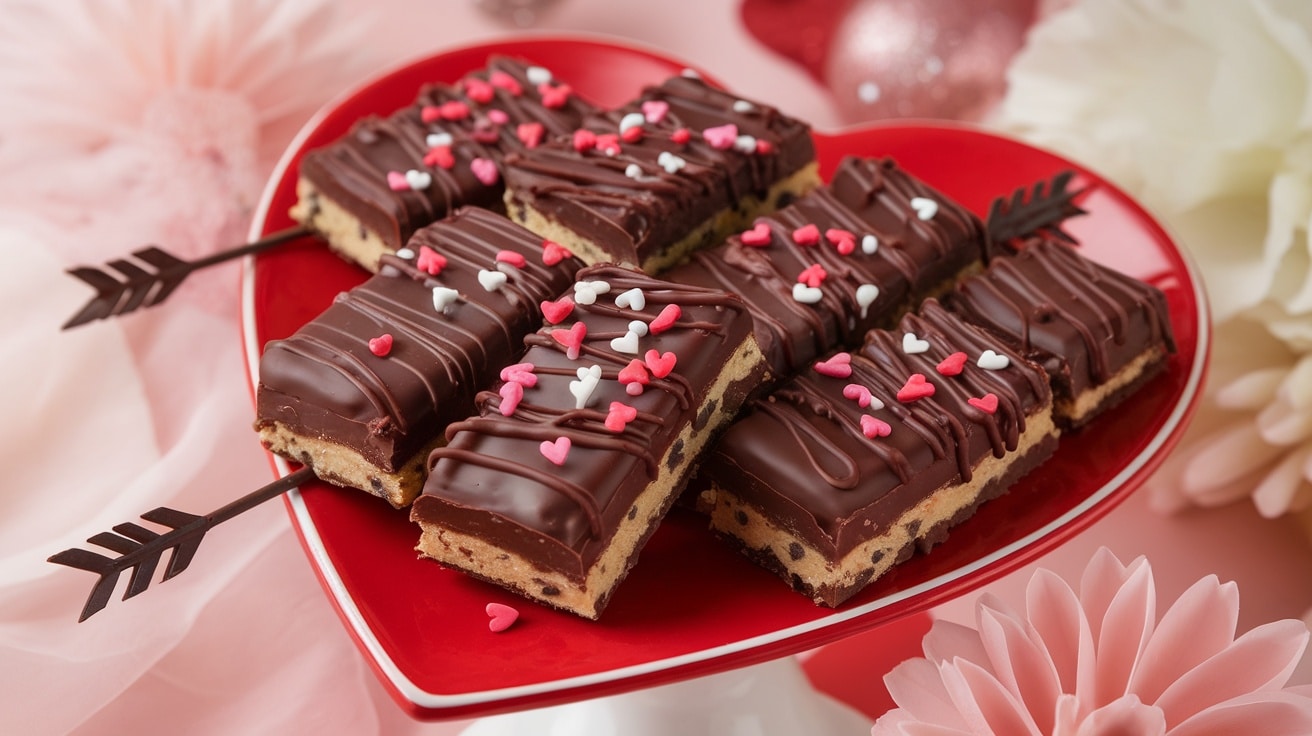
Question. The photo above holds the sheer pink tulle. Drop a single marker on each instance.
(1102, 662)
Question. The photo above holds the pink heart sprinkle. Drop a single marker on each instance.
(498, 116)
(988, 403)
(430, 261)
(584, 140)
(553, 252)
(554, 96)
(430, 113)
(608, 143)
(634, 377)
(485, 170)
(521, 373)
(721, 137)
(806, 235)
(530, 134)
(556, 451)
(502, 80)
(813, 275)
(858, 393)
(396, 181)
(681, 136)
(843, 240)
(952, 365)
(500, 617)
(838, 365)
(478, 90)
(916, 388)
(571, 338)
(666, 319)
(556, 312)
(453, 110)
(757, 237)
(661, 364)
(872, 427)
(511, 258)
(619, 416)
(381, 345)
(653, 111)
(511, 394)
(440, 157)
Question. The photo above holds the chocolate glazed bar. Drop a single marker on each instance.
(1099, 333)
(681, 167)
(850, 467)
(368, 192)
(849, 257)
(576, 455)
(363, 391)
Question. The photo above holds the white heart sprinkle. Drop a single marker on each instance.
(869, 244)
(875, 404)
(626, 344)
(632, 120)
(418, 180)
(633, 171)
(443, 297)
(632, 299)
(491, 280)
(745, 143)
(671, 163)
(925, 207)
(405, 253)
(593, 371)
(743, 106)
(807, 294)
(991, 361)
(582, 389)
(438, 140)
(911, 345)
(586, 292)
(538, 75)
(866, 294)
(638, 327)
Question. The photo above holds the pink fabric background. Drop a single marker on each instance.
(116, 418)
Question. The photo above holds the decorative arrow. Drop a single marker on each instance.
(140, 549)
(125, 285)
(1039, 210)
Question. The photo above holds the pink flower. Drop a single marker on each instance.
(1101, 662)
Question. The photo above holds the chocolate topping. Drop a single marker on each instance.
(1080, 320)
(494, 478)
(803, 456)
(326, 382)
(635, 191)
(354, 170)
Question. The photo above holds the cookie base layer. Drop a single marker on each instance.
(709, 232)
(342, 466)
(831, 582)
(587, 597)
(1074, 412)
(343, 232)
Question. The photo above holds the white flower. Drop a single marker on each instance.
(1203, 111)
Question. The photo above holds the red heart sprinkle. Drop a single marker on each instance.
(608, 143)
(988, 403)
(634, 377)
(838, 365)
(584, 140)
(440, 157)
(478, 90)
(530, 134)
(661, 364)
(500, 617)
(666, 319)
(806, 235)
(813, 275)
(681, 136)
(952, 365)
(843, 240)
(553, 252)
(764, 147)
(872, 427)
(916, 388)
(512, 258)
(757, 237)
(381, 345)
(430, 113)
(502, 80)
(571, 338)
(619, 416)
(556, 312)
(632, 135)
(554, 96)
(521, 373)
(556, 451)
(511, 394)
(453, 110)
(430, 261)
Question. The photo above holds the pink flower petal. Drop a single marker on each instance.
(1058, 619)
(985, 703)
(1125, 716)
(1126, 626)
(1020, 662)
(1284, 713)
(1278, 491)
(1226, 456)
(1197, 626)
(896, 722)
(1262, 659)
(947, 641)
(1102, 579)
(917, 688)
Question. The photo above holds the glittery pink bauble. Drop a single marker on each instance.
(925, 58)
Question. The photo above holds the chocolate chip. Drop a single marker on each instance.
(877, 556)
(795, 551)
(704, 415)
(913, 527)
(740, 516)
(676, 454)
(633, 513)
(375, 483)
(550, 590)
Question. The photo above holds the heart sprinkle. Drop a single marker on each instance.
(866, 294)
(633, 171)
(430, 261)
(952, 365)
(583, 388)
(758, 237)
(681, 136)
(381, 345)
(491, 280)
(511, 394)
(721, 137)
(439, 140)
(500, 117)
(916, 387)
(632, 299)
(838, 365)
(632, 120)
(478, 90)
(860, 394)
(912, 345)
(988, 403)
(444, 297)
(806, 235)
(743, 106)
(991, 361)
(418, 180)
(396, 181)
(553, 252)
(666, 319)
(556, 312)
(537, 75)
(804, 294)
(627, 343)
(440, 157)
(571, 339)
(500, 617)
(872, 427)
(521, 373)
(586, 292)
(660, 364)
(744, 144)
(530, 134)
(502, 80)
(813, 275)
(869, 244)
(485, 170)
(634, 376)
(671, 163)
(512, 258)
(608, 144)
(556, 451)
(925, 207)
(654, 111)
(584, 140)
(619, 416)
(843, 240)
(554, 96)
